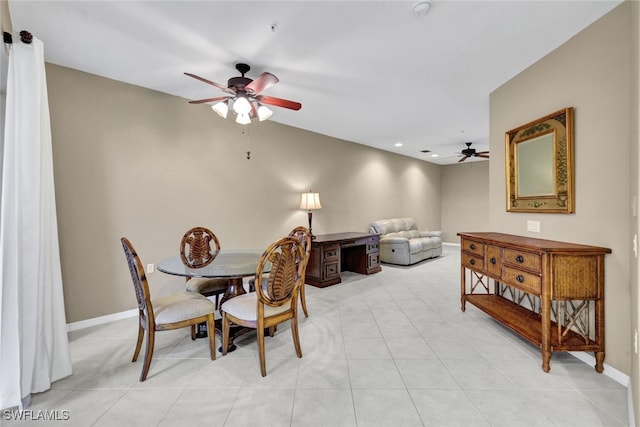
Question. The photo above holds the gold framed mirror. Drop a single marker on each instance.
(539, 165)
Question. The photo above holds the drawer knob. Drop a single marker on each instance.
(493, 260)
(520, 278)
(520, 259)
(472, 262)
(473, 247)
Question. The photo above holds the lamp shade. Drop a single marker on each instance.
(243, 118)
(221, 108)
(264, 113)
(310, 201)
(241, 105)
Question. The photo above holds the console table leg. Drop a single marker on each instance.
(599, 361)
(546, 359)
(463, 288)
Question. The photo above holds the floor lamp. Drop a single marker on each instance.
(310, 201)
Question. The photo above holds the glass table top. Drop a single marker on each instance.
(228, 263)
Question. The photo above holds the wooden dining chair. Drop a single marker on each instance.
(164, 313)
(275, 300)
(304, 235)
(196, 251)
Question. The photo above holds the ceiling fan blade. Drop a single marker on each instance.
(279, 102)
(485, 156)
(482, 152)
(462, 159)
(219, 86)
(264, 81)
(202, 101)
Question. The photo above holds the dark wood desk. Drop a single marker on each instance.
(332, 253)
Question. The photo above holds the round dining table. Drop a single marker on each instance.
(233, 265)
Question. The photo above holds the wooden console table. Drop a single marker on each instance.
(332, 253)
(551, 293)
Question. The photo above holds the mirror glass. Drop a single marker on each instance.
(536, 173)
(539, 165)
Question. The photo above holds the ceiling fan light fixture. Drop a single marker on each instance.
(243, 118)
(241, 105)
(264, 113)
(221, 108)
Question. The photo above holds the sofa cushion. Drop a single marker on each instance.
(415, 246)
(428, 242)
(394, 225)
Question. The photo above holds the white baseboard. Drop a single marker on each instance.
(619, 377)
(83, 324)
(450, 244)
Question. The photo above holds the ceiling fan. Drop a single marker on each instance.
(471, 152)
(245, 96)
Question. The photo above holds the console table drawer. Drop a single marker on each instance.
(493, 260)
(472, 262)
(473, 247)
(522, 259)
(528, 282)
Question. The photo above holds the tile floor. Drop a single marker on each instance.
(390, 349)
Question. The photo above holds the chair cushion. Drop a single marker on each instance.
(204, 285)
(181, 306)
(246, 307)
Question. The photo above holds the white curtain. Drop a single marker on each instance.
(34, 350)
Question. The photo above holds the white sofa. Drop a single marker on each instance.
(401, 242)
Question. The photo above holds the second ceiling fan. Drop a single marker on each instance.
(471, 152)
(245, 96)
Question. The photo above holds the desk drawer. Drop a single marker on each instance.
(331, 252)
(526, 260)
(373, 260)
(473, 247)
(528, 282)
(330, 271)
(472, 262)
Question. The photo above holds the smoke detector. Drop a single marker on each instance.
(422, 8)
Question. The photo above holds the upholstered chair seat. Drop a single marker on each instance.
(206, 286)
(244, 307)
(180, 307)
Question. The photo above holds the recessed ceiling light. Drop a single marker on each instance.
(398, 144)
(435, 155)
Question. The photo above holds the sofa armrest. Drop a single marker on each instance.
(431, 234)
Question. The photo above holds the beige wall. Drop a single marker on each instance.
(591, 72)
(465, 199)
(133, 162)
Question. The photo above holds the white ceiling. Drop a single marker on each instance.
(370, 72)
